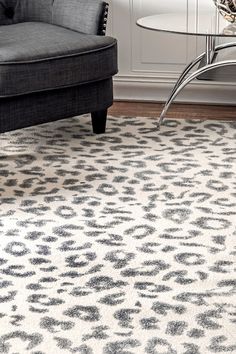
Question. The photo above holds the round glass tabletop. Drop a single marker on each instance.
(205, 24)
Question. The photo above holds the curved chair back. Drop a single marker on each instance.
(86, 16)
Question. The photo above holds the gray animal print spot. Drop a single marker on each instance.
(2, 261)
(179, 276)
(149, 268)
(125, 317)
(191, 348)
(97, 333)
(193, 298)
(83, 349)
(217, 345)
(65, 212)
(33, 235)
(17, 249)
(44, 300)
(6, 298)
(176, 328)
(119, 258)
(206, 319)
(121, 347)
(85, 313)
(196, 333)
(218, 186)
(104, 283)
(178, 215)
(32, 340)
(149, 323)
(163, 308)
(208, 223)
(16, 319)
(150, 289)
(53, 325)
(5, 284)
(157, 345)
(78, 261)
(17, 271)
(113, 299)
(140, 231)
(221, 267)
(63, 343)
(189, 259)
(107, 189)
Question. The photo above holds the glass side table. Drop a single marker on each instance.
(209, 24)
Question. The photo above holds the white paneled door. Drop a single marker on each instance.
(150, 62)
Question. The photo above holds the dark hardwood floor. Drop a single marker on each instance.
(177, 110)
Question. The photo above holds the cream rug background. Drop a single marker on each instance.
(118, 243)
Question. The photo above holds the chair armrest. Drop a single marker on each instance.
(86, 16)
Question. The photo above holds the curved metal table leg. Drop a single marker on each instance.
(187, 70)
(225, 45)
(178, 83)
(198, 59)
(191, 78)
(185, 73)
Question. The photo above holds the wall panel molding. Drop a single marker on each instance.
(141, 88)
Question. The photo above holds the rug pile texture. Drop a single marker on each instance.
(122, 243)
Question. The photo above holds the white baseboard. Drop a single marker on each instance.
(136, 88)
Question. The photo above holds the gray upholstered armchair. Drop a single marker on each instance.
(55, 62)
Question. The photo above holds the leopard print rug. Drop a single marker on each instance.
(122, 243)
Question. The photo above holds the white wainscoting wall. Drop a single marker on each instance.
(150, 62)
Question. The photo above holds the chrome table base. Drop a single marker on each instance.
(184, 79)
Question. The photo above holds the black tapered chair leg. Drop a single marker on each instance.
(99, 119)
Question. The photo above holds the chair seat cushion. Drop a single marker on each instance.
(36, 56)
